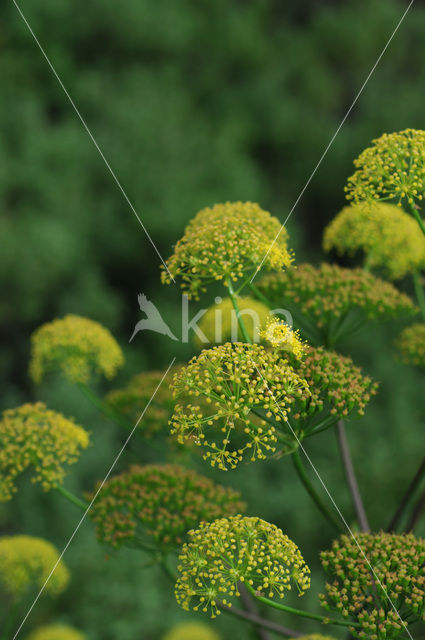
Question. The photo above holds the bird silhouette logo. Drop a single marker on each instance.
(153, 320)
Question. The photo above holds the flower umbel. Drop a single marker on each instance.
(411, 344)
(393, 168)
(56, 632)
(80, 348)
(33, 436)
(398, 582)
(223, 389)
(26, 563)
(282, 337)
(225, 241)
(387, 235)
(160, 503)
(239, 549)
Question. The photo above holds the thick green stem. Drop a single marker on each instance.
(300, 612)
(255, 290)
(296, 458)
(420, 295)
(72, 498)
(234, 300)
(418, 217)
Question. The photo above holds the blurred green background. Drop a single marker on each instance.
(192, 103)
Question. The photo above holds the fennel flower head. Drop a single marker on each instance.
(282, 337)
(26, 564)
(80, 348)
(393, 168)
(411, 344)
(191, 631)
(221, 392)
(387, 235)
(224, 242)
(376, 599)
(239, 549)
(56, 632)
(159, 503)
(220, 322)
(32, 436)
(328, 292)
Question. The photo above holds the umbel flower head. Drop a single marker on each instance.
(222, 391)
(239, 549)
(337, 389)
(411, 344)
(32, 436)
(388, 237)
(192, 631)
(328, 293)
(224, 242)
(373, 598)
(282, 337)
(315, 636)
(160, 503)
(220, 322)
(131, 399)
(56, 632)
(393, 168)
(25, 565)
(80, 348)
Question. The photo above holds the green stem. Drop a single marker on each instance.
(234, 300)
(72, 498)
(419, 220)
(420, 296)
(296, 458)
(6, 632)
(108, 411)
(255, 290)
(300, 612)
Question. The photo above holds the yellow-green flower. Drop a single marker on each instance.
(220, 322)
(225, 242)
(393, 168)
(56, 632)
(160, 503)
(191, 631)
(282, 337)
(389, 237)
(325, 295)
(221, 392)
(239, 549)
(411, 344)
(26, 563)
(80, 348)
(369, 571)
(32, 436)
(315, 636)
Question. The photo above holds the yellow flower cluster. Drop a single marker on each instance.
(239, 549)
(315, 636)
(131, 399)
(33, 436)
(226, 241)
(191, 631)
(26, 563)
(220, 322)
(80, 348)
(388, 236)
(223, 389)
(372, 599)
(326, 294)
(393, 168)
(56, 632)
(283, 338)
(412, 344)
(160, 502)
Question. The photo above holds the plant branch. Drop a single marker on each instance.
(257, 620)
(408, 494)
(75, 500)
(250, 607)
(416, 513)
(234, 300)
(420, 296)
(351, 477)
(296, 458)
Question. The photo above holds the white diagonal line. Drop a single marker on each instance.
(92, 501)
(341, 124)
(301, 446)
(83, 122)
